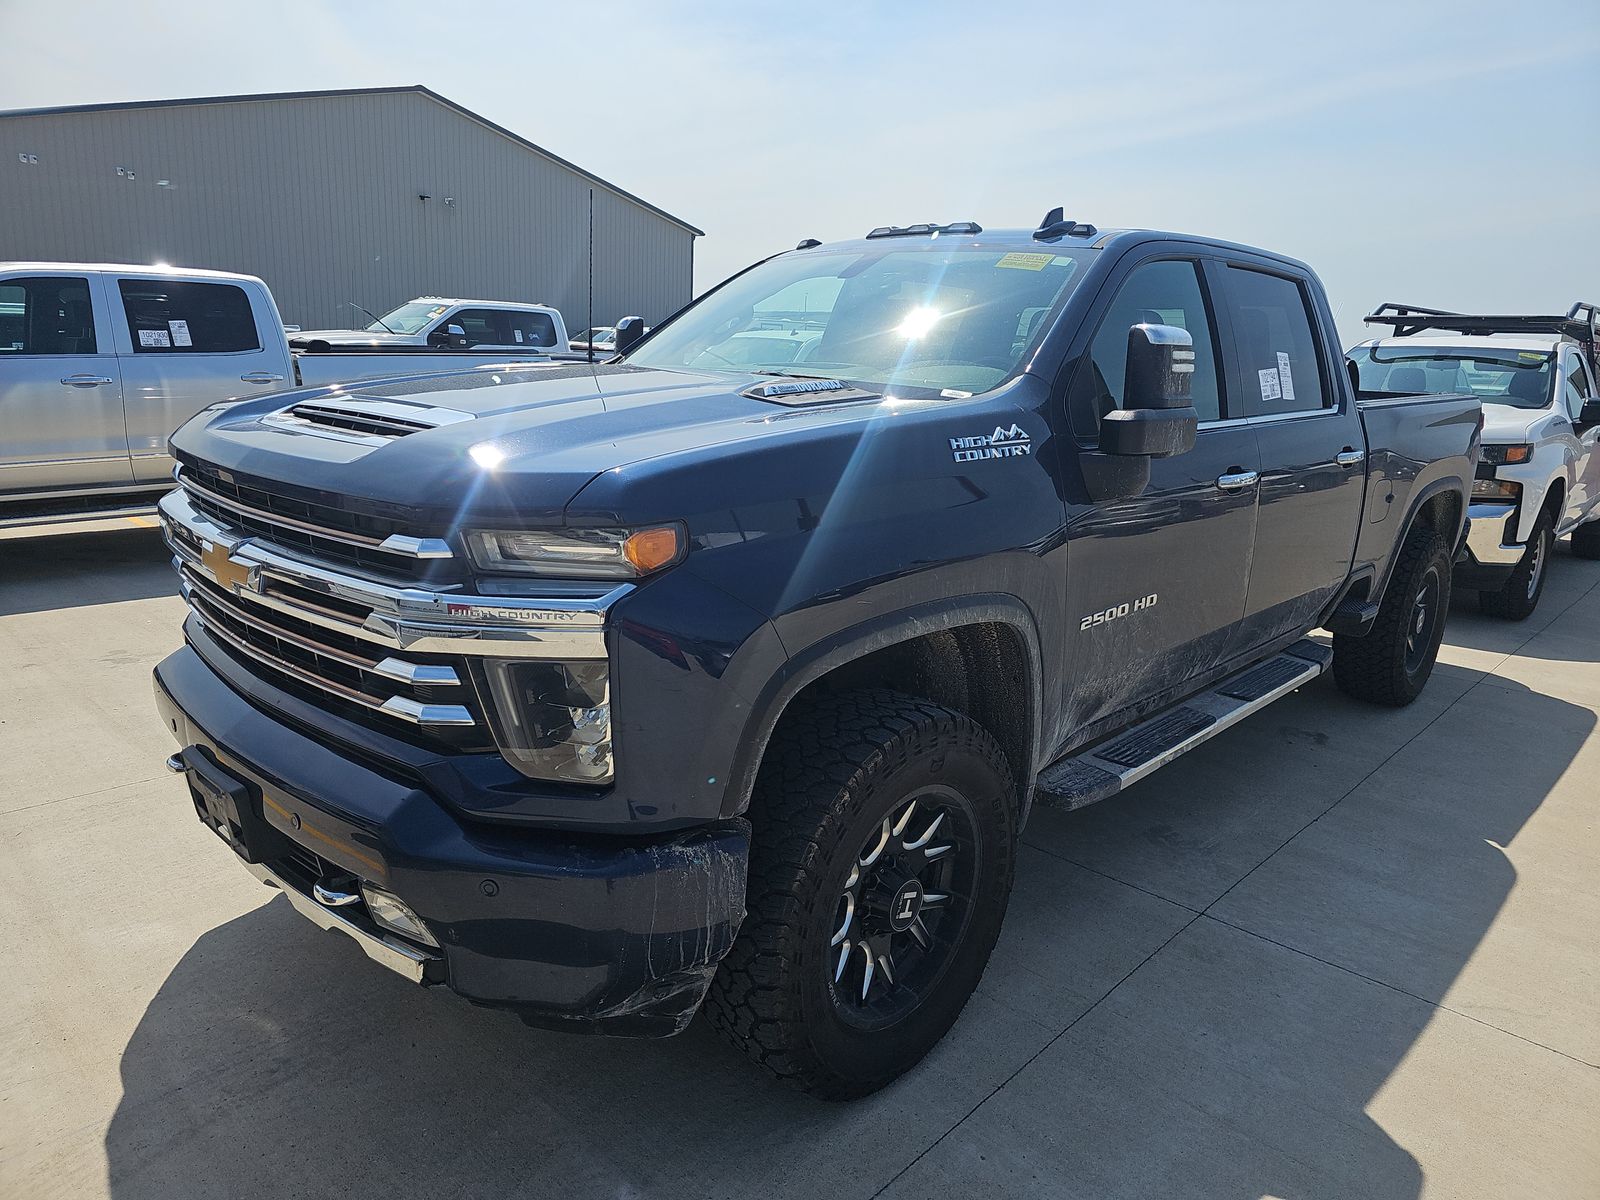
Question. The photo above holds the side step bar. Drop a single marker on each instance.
(1105, 769)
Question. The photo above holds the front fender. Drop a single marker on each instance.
(848, 645)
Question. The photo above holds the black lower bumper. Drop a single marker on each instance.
(594, 934)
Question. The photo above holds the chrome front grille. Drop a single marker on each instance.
(320, 530)
(396, 656)
(432, 694)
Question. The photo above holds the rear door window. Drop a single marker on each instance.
(531, 329)
(46, 315)
(168, 316)
(1280, 369)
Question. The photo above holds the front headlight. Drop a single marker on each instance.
(1503, 455)
(554, 718)
(1495, 489)
(577, 553)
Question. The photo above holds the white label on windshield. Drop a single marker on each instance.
(180, 333)
(1285, 378)
(517, 333)
(1269, 383)
(154, 337)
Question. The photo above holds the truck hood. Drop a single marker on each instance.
(357, 337)
(1503, 423)
(505, 442)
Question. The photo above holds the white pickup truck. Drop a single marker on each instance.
(446, 323)
(1539, 476)
(99, 363)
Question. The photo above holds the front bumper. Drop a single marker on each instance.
(581, 932)
(1491, 552)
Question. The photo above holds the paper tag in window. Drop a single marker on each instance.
(1018, 261)
(1285, 377)
(180, 333)
(1269, 384)
(154, 337)
(517, 333)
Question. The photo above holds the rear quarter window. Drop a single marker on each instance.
(1280, 367)
(181, 317)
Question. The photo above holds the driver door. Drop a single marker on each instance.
(1156, 583)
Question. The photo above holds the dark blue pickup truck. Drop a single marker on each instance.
(723, 673)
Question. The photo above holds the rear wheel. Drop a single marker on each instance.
(1520, 595)
(883, 853)
(1586, 538)
(1391, 663)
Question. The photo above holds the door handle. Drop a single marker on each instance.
(1237, 481)
(1348, 457)
(86, 380)
(261, 377)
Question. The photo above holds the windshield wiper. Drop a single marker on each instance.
(371, 314)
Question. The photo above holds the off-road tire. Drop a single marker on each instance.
(1586, 539)
(1519, 596)
(833, 769)
(1378, 666)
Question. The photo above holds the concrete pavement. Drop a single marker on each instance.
(1338, 951)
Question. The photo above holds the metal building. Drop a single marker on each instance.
(371, 195)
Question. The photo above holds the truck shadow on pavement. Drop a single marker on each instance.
(74, 570)
(275, 1060)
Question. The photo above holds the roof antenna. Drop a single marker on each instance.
(1057, 225)
(588, 334)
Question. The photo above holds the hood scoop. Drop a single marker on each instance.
(365, 418)
(795, 392)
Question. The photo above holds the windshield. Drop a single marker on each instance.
(411, 317)
(1520, 378)
(956, 320)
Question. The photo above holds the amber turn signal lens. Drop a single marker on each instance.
(651, 549)
(1516, 454)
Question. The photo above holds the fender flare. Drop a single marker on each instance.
(857, 641)
(1448, 483)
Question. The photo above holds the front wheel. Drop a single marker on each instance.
(1520, 595)
(882, 857)
(1391, 663)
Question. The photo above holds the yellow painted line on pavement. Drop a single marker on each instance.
(145, 521)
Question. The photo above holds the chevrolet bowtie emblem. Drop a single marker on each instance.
(230, 575)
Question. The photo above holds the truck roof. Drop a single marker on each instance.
(132, 268)
(1500, 341)
(1043, 239)
(509, 304)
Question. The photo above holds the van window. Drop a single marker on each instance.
(168, 316)
(46, 315)
(1280, 369)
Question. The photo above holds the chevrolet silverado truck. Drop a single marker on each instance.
(99, 363)
(1539, 477)
(607, 693)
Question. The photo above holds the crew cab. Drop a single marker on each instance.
(1539, 478)
(605, 692)
(449, 324)
(99, 363)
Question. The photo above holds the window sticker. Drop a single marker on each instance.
(1270, 389)
(1530, 355)
(155, 337)
(517, 333)
(1017, 261)
(180, 333)
(1285, 377)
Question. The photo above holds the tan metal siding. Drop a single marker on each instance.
(319, 196)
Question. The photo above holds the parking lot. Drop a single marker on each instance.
(1337, 951)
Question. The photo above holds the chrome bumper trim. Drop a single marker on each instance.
(1489, 523)
(397, 956)
(399, 618)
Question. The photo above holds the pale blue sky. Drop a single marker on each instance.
(1440, 153)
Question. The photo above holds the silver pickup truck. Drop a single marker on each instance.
(99, 363)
